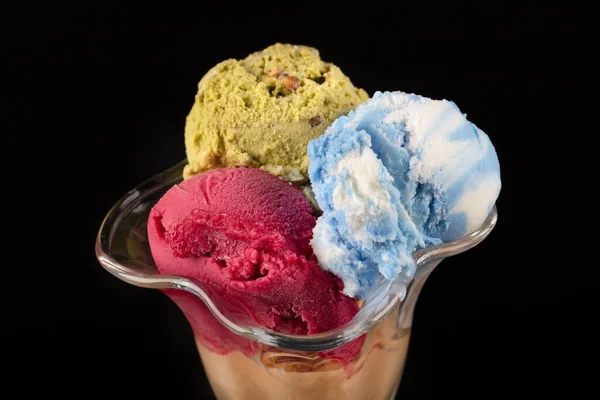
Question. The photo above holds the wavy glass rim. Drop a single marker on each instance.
(371, 314)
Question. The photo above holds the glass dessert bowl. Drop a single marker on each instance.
(362, 359)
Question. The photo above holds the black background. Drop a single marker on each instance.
(102, 103)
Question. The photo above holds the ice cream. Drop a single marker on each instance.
(246, 233)
(375, 375)
(263, 110)
(399, 173)
(299, 196)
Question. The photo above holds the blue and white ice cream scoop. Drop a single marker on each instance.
(399, 173)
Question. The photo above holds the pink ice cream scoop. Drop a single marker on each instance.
(246, 233)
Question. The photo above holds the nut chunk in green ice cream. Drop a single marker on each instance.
(262, 111)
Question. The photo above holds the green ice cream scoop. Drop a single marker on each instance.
(263, 110)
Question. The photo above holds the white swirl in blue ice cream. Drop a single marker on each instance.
(399, 173)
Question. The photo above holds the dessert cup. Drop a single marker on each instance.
(363, 359)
